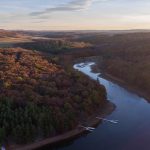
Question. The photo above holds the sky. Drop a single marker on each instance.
(74, 14)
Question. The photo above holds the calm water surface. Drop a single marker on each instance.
(133, 112)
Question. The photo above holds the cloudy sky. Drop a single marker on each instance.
(75, 14)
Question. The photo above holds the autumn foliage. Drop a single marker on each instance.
(40, 99)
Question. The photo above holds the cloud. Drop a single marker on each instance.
(75, 5)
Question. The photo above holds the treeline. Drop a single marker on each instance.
(126, 56)
(53, 46)
(6, 33)
(40, 99)
(23, 124)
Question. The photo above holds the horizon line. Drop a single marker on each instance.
(54, 30)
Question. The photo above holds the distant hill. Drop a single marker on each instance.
(54, 46)
(6, 33)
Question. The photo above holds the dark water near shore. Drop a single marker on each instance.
(133, 112)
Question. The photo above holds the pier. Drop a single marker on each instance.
(87, 128)
(104, 119)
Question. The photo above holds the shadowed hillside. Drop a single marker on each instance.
(54, 46)
(125, 56)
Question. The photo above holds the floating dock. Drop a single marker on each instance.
(104, 119)
(87, 128)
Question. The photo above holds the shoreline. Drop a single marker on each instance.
(70, 135)
(125, 85)
(122, 83)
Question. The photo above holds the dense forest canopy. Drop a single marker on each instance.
(40, 99)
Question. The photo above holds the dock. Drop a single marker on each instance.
(87, 128)
(104, 119)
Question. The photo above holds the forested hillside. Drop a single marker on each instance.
(125, 56)
(5, 33)
(40, 99)
(53, 46)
